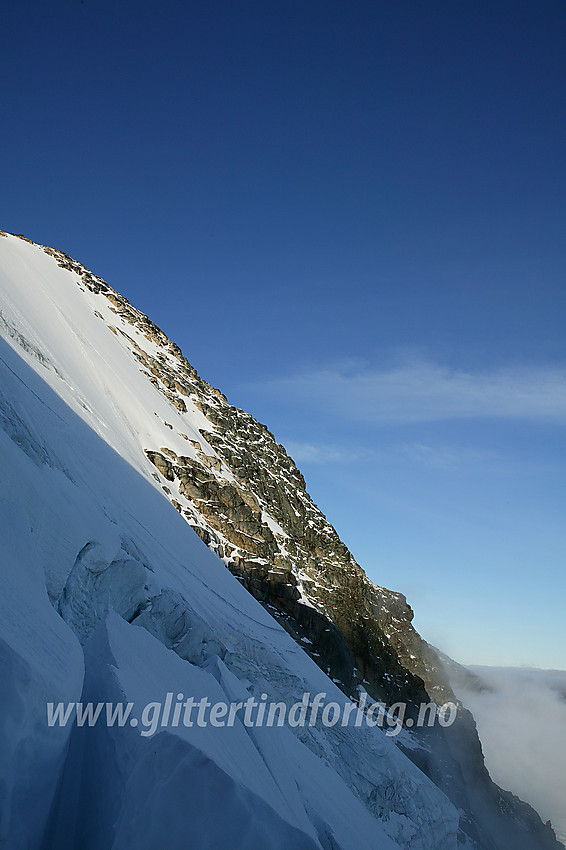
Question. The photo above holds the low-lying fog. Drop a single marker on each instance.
(521, 721)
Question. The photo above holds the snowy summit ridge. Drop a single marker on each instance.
(128, 486)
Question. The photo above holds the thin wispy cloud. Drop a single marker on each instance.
(321, 453)
(420, 390)
(397, 454)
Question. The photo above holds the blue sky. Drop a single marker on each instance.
(351, 216)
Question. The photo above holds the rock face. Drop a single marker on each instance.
(245, 498)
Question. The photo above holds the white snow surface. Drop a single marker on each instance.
(89, 540)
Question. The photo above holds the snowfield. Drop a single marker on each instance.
(107, 594)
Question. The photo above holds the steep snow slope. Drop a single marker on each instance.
(86, 529)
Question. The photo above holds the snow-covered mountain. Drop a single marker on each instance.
(156, 540)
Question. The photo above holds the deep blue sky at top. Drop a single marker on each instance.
(330, 189)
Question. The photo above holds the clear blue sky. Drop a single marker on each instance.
(351, 216)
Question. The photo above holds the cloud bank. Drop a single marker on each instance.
(522, 727)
